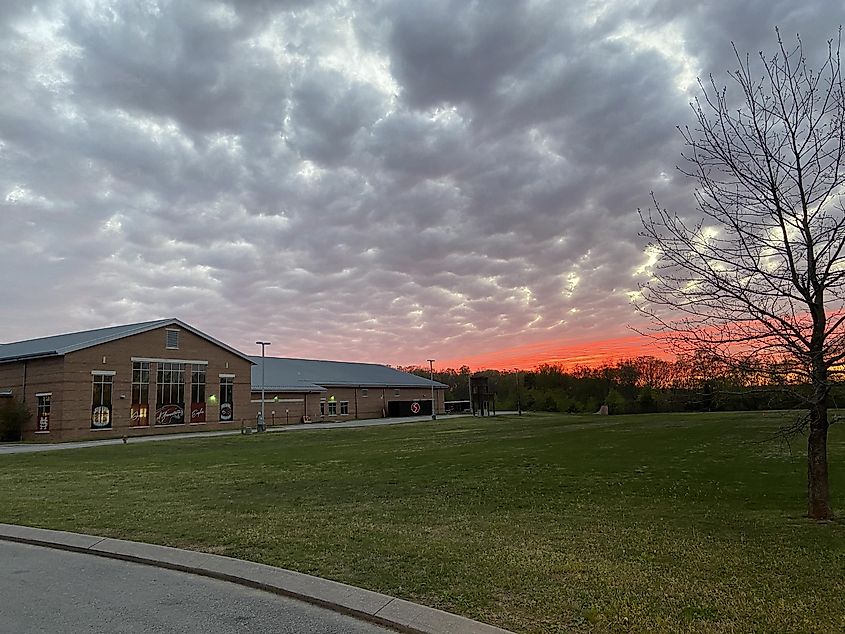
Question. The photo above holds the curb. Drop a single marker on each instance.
(367, 605)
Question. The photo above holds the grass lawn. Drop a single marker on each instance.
(544, 523)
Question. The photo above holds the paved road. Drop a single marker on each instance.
(13, 448)
(48, 590)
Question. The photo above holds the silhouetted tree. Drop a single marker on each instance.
(761, 270)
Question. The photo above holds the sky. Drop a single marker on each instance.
(386, 181)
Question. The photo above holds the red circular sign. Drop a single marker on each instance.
(415, 408)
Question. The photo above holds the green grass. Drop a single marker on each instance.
(546, 523)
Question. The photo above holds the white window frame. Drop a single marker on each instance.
(38, 404)
(344, 405)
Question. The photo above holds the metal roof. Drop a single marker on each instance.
(297, 375)
(58, 345)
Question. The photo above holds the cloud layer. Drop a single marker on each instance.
(387, 181)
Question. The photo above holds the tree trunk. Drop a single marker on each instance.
(818, 490)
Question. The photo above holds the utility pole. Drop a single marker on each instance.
(263, 344)
(518, 400)
(431, 378)
(469, 391)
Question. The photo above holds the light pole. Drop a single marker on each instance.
(431, 378)
(518, 400)
(263, 344)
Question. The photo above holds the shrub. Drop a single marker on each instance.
(14, 415)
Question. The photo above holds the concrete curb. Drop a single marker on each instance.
(375, 607)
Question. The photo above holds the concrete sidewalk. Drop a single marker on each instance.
(374, 607)
(16, 448)
(48, 590)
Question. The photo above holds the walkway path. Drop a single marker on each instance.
(14, 448)
(55, 581)
(48, 590)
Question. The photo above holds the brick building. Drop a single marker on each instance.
(337, 390)
(147, 378)
(165, 376)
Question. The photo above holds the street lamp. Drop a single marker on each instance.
(263, 344)
(518, 400)
(431, 377)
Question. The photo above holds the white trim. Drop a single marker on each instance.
(103, 372)
(153, 360)
(43, 394)
(225, 376)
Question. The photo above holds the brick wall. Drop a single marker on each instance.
(39, 376)
(71, 383)
(363, 402)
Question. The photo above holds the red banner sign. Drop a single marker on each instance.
(197, 412)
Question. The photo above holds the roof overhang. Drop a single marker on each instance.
(30, 357)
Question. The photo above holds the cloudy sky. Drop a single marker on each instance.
(382, 180)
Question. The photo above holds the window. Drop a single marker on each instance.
(332, 408)
(322, 407)
(364, 392)
(227, 391)
(139, 410)
(171, 339)
(101, 401)
(198, 393)
(396, 392)
(344, 408)
(170, 396)
(43, 410)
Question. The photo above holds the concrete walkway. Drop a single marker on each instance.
(50, 590)
(369, 606)
(16, 448)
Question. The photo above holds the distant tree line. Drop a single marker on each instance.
(698, 382)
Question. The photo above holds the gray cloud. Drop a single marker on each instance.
(383, 181)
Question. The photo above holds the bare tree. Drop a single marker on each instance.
(760, 270)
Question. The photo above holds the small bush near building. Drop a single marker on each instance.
(14, 415)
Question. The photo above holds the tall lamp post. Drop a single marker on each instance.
(431, 378)
(263, 344)
(518, 400)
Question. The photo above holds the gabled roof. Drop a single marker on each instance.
(59, 345)
(298, 375)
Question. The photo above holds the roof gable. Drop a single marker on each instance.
(59, 345)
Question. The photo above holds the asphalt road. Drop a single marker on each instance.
(48, 590)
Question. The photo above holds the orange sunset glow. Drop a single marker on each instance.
(566, 354)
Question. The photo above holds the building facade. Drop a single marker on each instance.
(165, 376)
(149, 378)
(308, 389)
